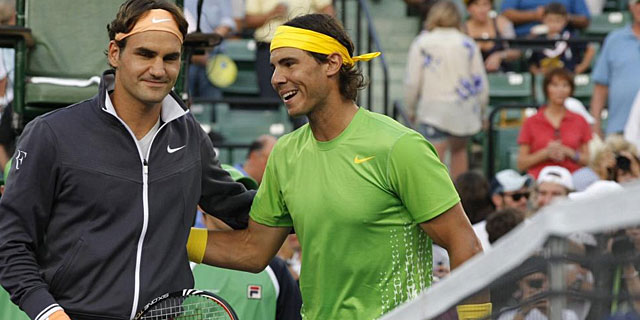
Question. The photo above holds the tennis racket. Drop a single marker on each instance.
(188, 304)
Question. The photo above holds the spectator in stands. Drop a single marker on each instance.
(626, 165)
(351, 181)
(502, 222)
(257, 157)
(216, 17)
(509, 189)
(475, 196)
(87, 178)
(266, 16)
(276, 295)
(573, 57)
(7, 67)
(554, 182)
(554, 135)
(446, 87)
(527, 13)
(615, 75)
(481, 25)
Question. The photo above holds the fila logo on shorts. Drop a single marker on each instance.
(254, 292)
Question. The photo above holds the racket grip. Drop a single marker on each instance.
(474, 311)
(196, 244)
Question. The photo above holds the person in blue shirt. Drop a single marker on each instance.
(527, 13)
(616, 75)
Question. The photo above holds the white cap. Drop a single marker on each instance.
(509, 180)
(596, 189)
(556, 174)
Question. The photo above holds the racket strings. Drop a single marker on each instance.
(187, 308)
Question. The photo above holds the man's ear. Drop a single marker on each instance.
(334, 64)
(113, 54)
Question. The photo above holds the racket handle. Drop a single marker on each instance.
(59, 315)
(196, 244)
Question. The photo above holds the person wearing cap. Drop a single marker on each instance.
(95, 218)
(446, 86)
(553, 182)
(271, 294)
(366, 195)
(509, 189)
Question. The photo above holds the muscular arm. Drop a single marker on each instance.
(250, 249)
(452, 231)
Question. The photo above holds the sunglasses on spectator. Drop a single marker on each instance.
(535, 283)
(518, 195)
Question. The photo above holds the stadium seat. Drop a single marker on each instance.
(510, 88)
(602, 24)
(243, 53)
(506, 148)
(73, 51)
(8, 310)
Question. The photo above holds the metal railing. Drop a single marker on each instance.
(368, 36)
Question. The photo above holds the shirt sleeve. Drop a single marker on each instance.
(289, 299)
(509, 4)
(25, 210)
(601, 71)
(586, 131)
(524, 137)
(269, 207)
(419, 179)
(221, 196)
(579, 7)
(226, 19)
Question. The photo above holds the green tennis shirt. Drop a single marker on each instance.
(356, 202)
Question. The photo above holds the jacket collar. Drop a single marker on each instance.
(172, 107)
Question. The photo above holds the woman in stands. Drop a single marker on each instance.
(483, 23)
(554, 135)
(446, 87)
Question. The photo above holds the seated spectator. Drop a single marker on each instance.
(509, 189)
(626, 165)
(555, 135)
(446, 86)
(475, 196)
(554, 182)
(527, 13)
(257, 157)
(573, 57)
(502, 222)
(481, 25)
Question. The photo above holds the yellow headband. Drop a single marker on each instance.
(312, 41)
(154, 20)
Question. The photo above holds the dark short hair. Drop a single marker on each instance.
(475, 197)
(132, 10)
(555, 8)
(561, 73)
(470, 2)
(351, 78)
(502, 221)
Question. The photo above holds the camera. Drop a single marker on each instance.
(623, 163)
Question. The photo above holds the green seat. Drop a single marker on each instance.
(72, 50)
(8, 310)
(509, 88)
(602, 24)
(506, 148)
(242, 126)
(243, 53)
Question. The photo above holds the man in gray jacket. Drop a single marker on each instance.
(95, 217)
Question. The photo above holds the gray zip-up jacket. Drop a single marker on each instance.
(90, 224)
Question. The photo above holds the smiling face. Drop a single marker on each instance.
(147, 67)
(300, 80)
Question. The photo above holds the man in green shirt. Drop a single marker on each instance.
(366, 195)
